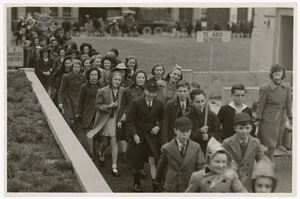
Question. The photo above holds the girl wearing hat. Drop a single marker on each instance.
(273, 105)
(219, 175)
(57, 63)
(35, 42)
(56, 77)
(32, 62)
(86, 110)
(108, 102)
(157, 71)
(168, 87)
(122, 68)
(44, 68)
(73, 53)
(68, 94)
(264, 178)
(201, 133)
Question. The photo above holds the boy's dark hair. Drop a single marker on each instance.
(196, 85)
(196, 92)
(114, 50)
(274, 184)
(183, 83)
(238, 87)
(244, 123)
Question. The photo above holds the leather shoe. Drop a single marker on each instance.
(115, 172)
(137, 187)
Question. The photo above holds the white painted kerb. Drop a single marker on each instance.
(88, 175)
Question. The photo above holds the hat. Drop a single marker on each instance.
(213, 146)
(70, 51)
(151, 87)
(45, 49)
(121, 66)
(93, 52)
(84, 45)
(241, 117)
(264, 167)
(183, 124)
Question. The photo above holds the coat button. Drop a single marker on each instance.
(224, 181)
(208, 182)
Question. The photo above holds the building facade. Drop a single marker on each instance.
(272, 38)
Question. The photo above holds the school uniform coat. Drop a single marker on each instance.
(86, 104)
(226, 115)
(273, 106)
(254, 152)
(140, 121)
(103, 99)
(179, 169)
(41, 67)
(172, 112)
(68, 93)
(208, 182)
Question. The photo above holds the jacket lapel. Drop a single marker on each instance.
(189, 154)
(175, 151)
(248, 149)
(107, 95)
(153, 108)
(144, 106)
(235, 145)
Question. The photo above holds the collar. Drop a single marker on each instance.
(73, 76)
(46, 59)
(273, 86)
(231, 104)
(179, 143)
(151, 102)
(240, 141)
(89, 84)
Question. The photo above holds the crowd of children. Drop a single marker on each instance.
(161, 120)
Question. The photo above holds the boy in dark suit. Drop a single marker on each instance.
(181, 157)
(243, 148)
(228, 111)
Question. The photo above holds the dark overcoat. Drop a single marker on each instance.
(140, 121)
(41, 67)
(68, 93)
(172, 112)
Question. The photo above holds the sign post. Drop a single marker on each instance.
(15, 56)
(211, 37)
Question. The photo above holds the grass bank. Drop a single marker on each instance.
(35, 162)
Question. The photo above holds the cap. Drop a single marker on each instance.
(213, 146)
(183, 124)
(264, 167)
(151, 87)
(70, 51)
(241, 117)
(121, 66)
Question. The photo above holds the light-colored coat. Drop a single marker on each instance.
(208, 182)
(245, 163)
(103, 99)
(179, 169)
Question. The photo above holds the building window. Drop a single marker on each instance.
(66, 12)
(53, 11)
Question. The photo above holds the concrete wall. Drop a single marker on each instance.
(87, 174)
(220, 79)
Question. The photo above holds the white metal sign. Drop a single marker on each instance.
(15, 56)
(213, 36)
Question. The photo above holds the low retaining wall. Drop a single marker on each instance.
(88, 175)
(220, 79)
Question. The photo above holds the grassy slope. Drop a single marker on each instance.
(34, 160)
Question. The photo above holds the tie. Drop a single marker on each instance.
(182, 150)
(243, 147)
(183, 108)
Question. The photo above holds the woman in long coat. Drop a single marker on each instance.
(68, 94)
(86, 109)
(56, 77)
(107, 118)
(273, 106)
(143, 123)
(44, 68)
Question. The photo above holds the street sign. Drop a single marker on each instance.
(213, 36)
(15, 56)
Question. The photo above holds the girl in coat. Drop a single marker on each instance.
(107, 117)
(32, 62)
(273, 105)
(132, 65)
(96, 62)
(44, 68)
(56, 77)
(219, 175)
(68, 94)
(86, 63)
(201, 133)
(59, 60)
(264, 178)
(107, 65)
(122, 68)
(168, 87)
(157, 71)
(86, 110)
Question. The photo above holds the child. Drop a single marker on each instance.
(194, 86)
(181, 156)
(228, 111)
(174, 109)
(263, 177)
(219, 174)
(243, 148)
